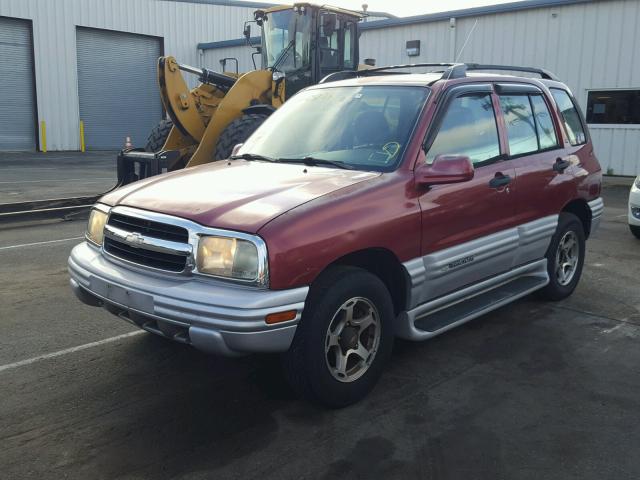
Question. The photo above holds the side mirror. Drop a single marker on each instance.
(445, 169)
(235, 149)
(247, 32)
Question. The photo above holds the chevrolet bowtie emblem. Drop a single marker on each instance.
(134, 239)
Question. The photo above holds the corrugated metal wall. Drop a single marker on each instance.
(589, 46)
(242, 53)
(182, 25)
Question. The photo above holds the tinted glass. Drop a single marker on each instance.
(468, 128)
(521, 126)
(349, 45)
(544, 123)
(366, 127)
(614, 106)
(570, 117)
(287, 40)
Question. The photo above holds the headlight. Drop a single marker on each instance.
(95, 227)
(228, 257)
(637, 182)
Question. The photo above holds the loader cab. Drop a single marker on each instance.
(307, 42)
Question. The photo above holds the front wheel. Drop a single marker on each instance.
(565, 258)
(158, 136)
(344, 339)
(237, 132)
(635, 230)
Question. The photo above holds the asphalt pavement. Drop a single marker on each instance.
(29, 176)
(534, 390)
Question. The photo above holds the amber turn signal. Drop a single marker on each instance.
(280, 317)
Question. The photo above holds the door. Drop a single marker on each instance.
(467, 232)
(543, 167)
(17, 89)
(117, 87)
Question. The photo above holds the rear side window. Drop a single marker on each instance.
(570, 117)
(468, 128)
(544, 123)
(528, 122)
(521, 126)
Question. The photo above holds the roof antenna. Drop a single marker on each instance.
(467, 40)
(475, 24)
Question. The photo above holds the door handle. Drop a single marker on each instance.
(561, 165)
(499, 180)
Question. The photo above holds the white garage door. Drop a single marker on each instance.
(117, 87)
(17, 97)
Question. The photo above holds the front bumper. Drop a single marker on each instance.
(211, 315)
(634, 206)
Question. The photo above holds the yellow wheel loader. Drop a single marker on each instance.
(300, 45)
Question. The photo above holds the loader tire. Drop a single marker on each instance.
(158, 136)
(237, 132)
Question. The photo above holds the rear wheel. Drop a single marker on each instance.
(344, 339)
(158, 136)
(565, 258)
(635, 230)
(237, 132)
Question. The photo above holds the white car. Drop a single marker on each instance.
(634, 207)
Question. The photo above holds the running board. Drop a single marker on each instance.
(444, 313)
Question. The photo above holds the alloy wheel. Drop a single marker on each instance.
(567, 258)
(352, 339)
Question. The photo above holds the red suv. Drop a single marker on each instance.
(366, 208)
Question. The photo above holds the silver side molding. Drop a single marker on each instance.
(597, 209)
(444, 271)
(446, 312)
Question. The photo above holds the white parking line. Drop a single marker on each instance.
(60, 353)
(40, 243)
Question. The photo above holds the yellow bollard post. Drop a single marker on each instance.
(43, 136)
(82, 136)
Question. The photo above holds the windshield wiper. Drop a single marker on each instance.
(313, 161)
(253, 156)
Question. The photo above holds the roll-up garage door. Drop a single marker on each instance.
(117, 87)
(17, 91)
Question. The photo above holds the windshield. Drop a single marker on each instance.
(287, 36)
(364, 127)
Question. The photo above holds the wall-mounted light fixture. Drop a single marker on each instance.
(413, 48)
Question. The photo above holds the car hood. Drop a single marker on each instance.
(237, 195)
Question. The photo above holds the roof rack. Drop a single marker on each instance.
(450, 70)
(540, 71)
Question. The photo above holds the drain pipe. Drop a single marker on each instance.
(452, 39)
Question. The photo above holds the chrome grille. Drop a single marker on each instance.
(147, 242)
(151, 228)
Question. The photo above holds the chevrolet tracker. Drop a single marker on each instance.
(373, 205)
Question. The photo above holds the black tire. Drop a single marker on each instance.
(556, 290)
(305, 363)
(237, 132)
(158, 136)
(635, 230)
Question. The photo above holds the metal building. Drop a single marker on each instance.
(93, 60)
(592, 45)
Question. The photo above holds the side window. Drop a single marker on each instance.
(546, 132)
(468, 128)
(328, 42)
(521, 126)
(349, 45)
(570, 117)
